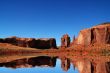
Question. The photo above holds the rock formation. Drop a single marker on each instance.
(91, 65)
(43, 43)
(65, 41)
(41, 61)
(84, 66)
(65, 63)
(100, 67)
(99, 34)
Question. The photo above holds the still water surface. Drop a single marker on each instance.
(40, 64)
(49, 64)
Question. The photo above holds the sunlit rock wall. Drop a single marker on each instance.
(98, 34)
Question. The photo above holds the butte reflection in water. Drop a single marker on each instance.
(84, 65)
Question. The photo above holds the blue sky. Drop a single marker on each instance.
(50, 18)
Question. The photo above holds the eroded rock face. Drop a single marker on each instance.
(32, 42)
(98, 34)
(65, 41)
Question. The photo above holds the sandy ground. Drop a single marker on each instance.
(77, 50)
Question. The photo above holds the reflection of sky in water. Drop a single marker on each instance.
(56, 69)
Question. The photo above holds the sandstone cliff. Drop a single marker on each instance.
(99, 34)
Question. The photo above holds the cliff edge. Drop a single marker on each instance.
(99, 34)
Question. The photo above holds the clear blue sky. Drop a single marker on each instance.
(50, 18)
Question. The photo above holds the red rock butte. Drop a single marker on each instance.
(99, 34)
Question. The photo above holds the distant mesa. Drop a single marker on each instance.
(42, 43)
